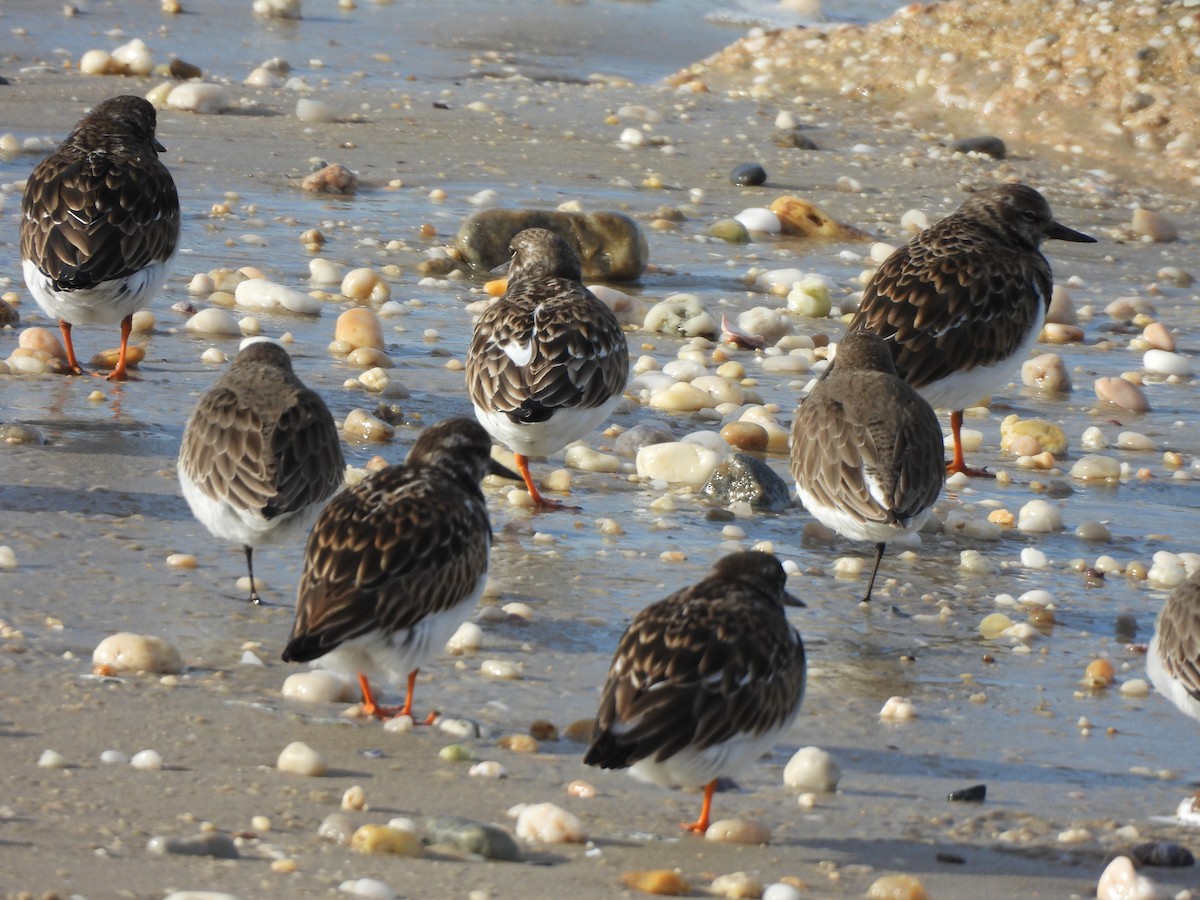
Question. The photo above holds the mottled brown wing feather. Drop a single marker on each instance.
(222, 450)
(1183, 660)
(307, 456)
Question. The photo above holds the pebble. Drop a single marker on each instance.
(479, 838)
(366, 284)
(359, 327)
(260, 294)
(127, 652)
(488, 768)
(678, 462)
(367, 887)
(810, 297)
(781, 890)
(316, 686)
(384, 839)
(467, 639)
(209, 843)
(336, 828)
(315, 111)
(500, 670)
(8, 558)
(737, 886)
(1059, 333)
(331, 179)
(1046, 372)
(44, 340)
(1039, 517)
(113, 758)
(1031, 436)
(680, 314)
(610, 245)
(738, 831)
(897, 887)
(1122, 393)
(729, 230)
(212, 321)
(812, 769)
(1121, 881)
(1153, 226)
(354, 798)
(748, 175)
(1164, 362)
(747, 479)
(547, 823)
(661, 882)
(1167, 571)
(745, 436)
(758, 218)
(300, 759)
(360, 425)
(1162, 854)
(898, 709)
(277, 9)
(147, 759)
(1094, 467)
(52, 759)
(585, 459)
(518, 743)
(1135, 441)
(988, 145)
(198, 97)
(456, 753)
(800, 218)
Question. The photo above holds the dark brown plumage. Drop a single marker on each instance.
(962, 303)
(100, 222)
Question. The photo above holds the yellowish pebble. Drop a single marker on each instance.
(354, 798)
(663, 882)
(385, 839)
(127, 652)
(738, 831)
(181, 561)
(1099, 673)
(518, 743)
(496, 287)
(897, 887)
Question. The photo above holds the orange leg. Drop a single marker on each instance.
(119, 373)
(701, 824)
(371, 708)
(72, 363)
(958, 464)
(538, 500)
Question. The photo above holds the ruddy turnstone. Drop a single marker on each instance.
(100, 223)
(704, 681)
(963, 302)
(260, 453)
(1173, 657)
(867, 451)
(396, 563)
(548, 361)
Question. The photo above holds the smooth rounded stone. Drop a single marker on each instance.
(143, 322)
(99, 62)
(500, 670)
(758, 218)
(488, 768)
(336, 828)
(777, 435)
(800, 218)
(261, 78)
(365, 284)
(781, 890)
(1121, 393)
(1093, 439)
(150, 760)
(993, 625)
(199, 895)
(32, 362)
(548, 823)
(897, 887)
(360, 425)
(745, 436)
(748, 175)
(747, 479)
(1159, 337)
(737, 886)
(107, 359)
(52, 759)
(298, 758)
(729, 230)
(987, 144)
(632, 440)
(1167, 571)
(467, 639)
(1033, 558)
(1094, 467)
(331, 179)
(632, 137)
(1039, 517)
(1135, 687)
(898, 709)
(9, 317)
(198, 97)
(134, 58)
(213, 321)
(660, 882)
(209, 843)
(467, 836)
(370, 358)
(376, 379)
(766, 323)
(315, 112)
(456, 753)
(677, 463)
(1162, 854)
(1175, 276)
(610, 245)
(322, 271)
(42, 339)
(1164, 362)
(316, 686)
(1126, 309)
(794, 138)
(258, 293)
(1153, 226)
(738, 831)
(113, 758)
(367, 887)
(1093, 531)
(1120, 881)
(684, 369)
(812, 769)
(1046, 372)
(18, 433)
(680, 314)
(681, 397)
(384, 839)
(1032, 436)
(585, 459)
(1136, 441)
(518, 743)
(358, 327)
(128, 652)
(1062, 309)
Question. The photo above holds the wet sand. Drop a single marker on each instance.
(93, 513)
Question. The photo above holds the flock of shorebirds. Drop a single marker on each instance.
(702, 681)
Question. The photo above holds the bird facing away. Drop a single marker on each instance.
(548, 360)
(867, 452)
(1173, 657)
(704, 681)
(260, 453)
(100, 223)
(397, 562)
(963, 302)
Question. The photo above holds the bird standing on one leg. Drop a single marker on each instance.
(704, 681)
(100, 223)
(548, 360)
(260, 453)
(963, 302)
(397, 562)
(867, 451)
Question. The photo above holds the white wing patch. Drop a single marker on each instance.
(520, 354)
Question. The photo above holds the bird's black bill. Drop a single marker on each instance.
(792, 600)
(504, 472)
(1063, 233)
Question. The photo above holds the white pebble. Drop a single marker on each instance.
(812, 769)
(212, 321)
(1033, 558)
(677, 463)
(1134, 440)
(500, 669)
(258, 293)
(367, 887)
(317, 686)
(467, 639)
(898, 709)
(1121, 881)
(1039, 517)
(114, 758)
(315, 112)
(147, 759)
(546, 823)
(52, 759)
(214, 356)
(633, 137)
(322, 271)
(8, 559)
(781, 891)
(1093, 439)
(1167, 571)
(1164, 362)
(301, 759)
(126, 652)
(198, 97)
(354, 798)
(488, 768)
(759, 218)
(1096, 468)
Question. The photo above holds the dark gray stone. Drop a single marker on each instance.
(488, 841)
(744, 478)
(987, 144)
(748, 175)
(211, 843)
(628, 443)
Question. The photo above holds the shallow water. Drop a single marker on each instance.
(93, 514)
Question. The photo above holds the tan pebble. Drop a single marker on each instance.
(1002, 517)
(1153, 225)
(1120, 880)
(127, 652)
(746, 436)
(496, 287)
(107, 359)
(42, 339)
(897, 887)
(663, 882)
(738, 831)
(359, 326)
(365, 284)
(737, 886)
(804, 219)
(354, 798)
(1159, 337)
(518, 743)
(547, 823)
(369, 358)
(579, 731)
(898, 709)
(333, 179)
(385, 839)
(1046, 372)
(284, 866)
(143, 321)
(1122, 393)
(1099, 673)
(1031, 436)
(361, 425)
(542, 730)
(584, 790)
(1058, 333)
(181, 561)
(300, 759)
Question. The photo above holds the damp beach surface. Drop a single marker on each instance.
(438, 115)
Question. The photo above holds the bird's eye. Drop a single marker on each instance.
(1030, 215)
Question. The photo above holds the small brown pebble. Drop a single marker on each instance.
(543, 731)
(664, 882)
